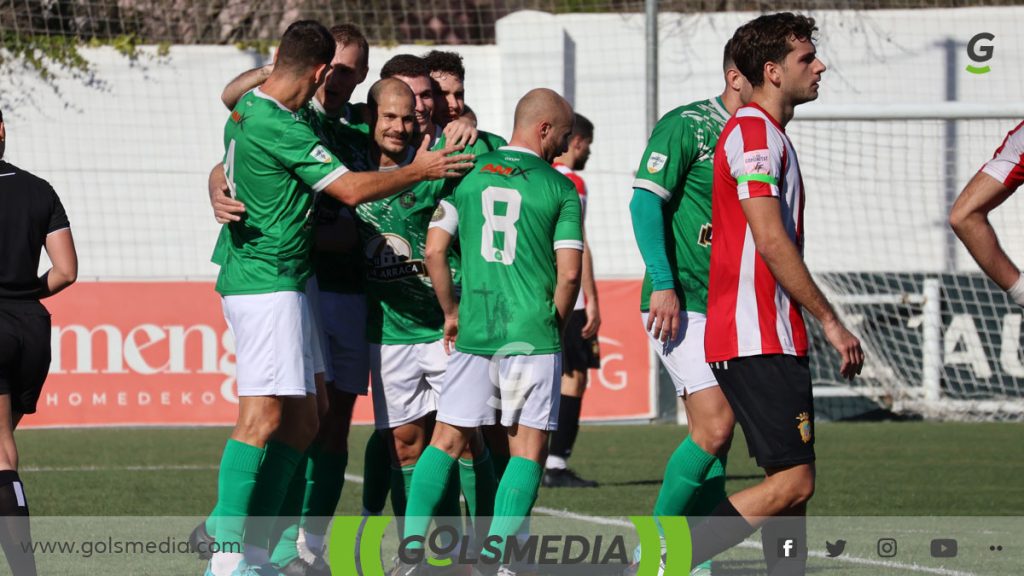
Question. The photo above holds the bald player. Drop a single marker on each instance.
(519, 224)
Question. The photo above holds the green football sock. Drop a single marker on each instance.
(239, 466)
(325, 478)
(684, 474)
(711, 492)
(479, 484)
(376, 475)
(516, 495)
(286, 527)
(710, 495)
(429, 484)
(275, 475)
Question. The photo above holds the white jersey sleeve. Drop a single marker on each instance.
(1007, 164)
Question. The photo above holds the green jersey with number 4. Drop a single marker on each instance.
(511, 213)
(678, 166)
(274, 163)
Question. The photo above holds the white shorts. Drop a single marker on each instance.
(273, 343)
(526, 389)
(683, 357)
(347, 355)
(406, 381)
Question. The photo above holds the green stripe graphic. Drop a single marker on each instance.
(369, 547)
(650, 545)
(342, 549)
(678, 546)
(978, 69)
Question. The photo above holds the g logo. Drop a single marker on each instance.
(980, 53)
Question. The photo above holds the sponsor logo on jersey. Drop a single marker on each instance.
(803, 424)
(235, 116)
(408, 199)
(655, 162)
(756, 161)
(439, 213)
(321, 154)
(390, 258)
(497, 169)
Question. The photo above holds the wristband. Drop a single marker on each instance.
(1016, 291)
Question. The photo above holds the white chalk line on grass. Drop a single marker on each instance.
(565, 514)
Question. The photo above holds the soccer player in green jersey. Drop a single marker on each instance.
(671, 212)
(339, 309)
(407, 360)
(274, 163)
(518, 221)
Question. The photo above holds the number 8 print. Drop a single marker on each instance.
(504, 223)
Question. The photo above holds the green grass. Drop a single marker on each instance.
(864, 470)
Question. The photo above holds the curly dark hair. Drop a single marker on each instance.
(405, 65)
(447, 62)
(766, 39)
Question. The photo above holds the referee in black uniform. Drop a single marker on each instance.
(31, 217)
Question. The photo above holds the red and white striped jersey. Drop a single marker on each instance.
(1007, 164)
(749, 313)
(581, 189)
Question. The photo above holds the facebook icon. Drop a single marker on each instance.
(787, 548)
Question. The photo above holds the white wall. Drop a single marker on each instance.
(130, 159)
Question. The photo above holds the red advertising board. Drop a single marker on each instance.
(160, 353)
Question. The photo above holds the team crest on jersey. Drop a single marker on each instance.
(390, 258)
(407, 200)
(803, 424)
(321, 154)
(756, 162)
(655, 162)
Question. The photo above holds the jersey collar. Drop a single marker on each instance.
(520, 149)
(261, 94)
(717, 103)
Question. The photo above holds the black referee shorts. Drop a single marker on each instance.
(24, 352)
(579, 353)
(771, 397)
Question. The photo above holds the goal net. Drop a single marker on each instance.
(941, 339)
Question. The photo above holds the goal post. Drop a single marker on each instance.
(942, 340)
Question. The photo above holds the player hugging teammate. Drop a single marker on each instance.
(363, 239)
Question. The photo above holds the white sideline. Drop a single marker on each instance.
(622, 523)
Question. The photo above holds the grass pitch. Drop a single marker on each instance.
(960, 475)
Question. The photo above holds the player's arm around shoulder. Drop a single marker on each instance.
(357, 187)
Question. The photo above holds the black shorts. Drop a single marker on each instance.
(24, 352)
(579, 353)
(771, 397)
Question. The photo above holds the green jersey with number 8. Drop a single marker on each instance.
(274, 163)
(510, 213)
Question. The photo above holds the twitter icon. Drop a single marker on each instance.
(835, 549)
